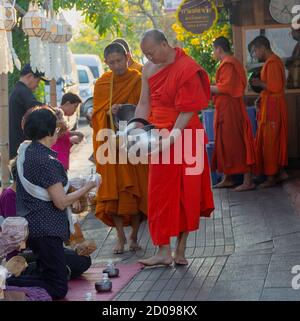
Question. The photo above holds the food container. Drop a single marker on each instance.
(16, 265)
(92, 201)
(85, 248)
(124, 113)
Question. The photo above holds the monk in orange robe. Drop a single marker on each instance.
(132, 64)
(234, 142)
(174, 89)
(122, 197)
(271, 136)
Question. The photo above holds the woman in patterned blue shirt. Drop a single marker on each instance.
(47, 220)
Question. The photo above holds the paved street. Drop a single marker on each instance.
(246, 251)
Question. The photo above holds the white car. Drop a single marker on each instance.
(92, 61)
(86, 83)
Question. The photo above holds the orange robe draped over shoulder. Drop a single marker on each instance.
(137, 66)
(271, 136)
(177, 200)
(124, 186)
(234, 142)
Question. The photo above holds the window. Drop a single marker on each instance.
(83, 77)
(95, 71)
(281, 40)
(282, 43)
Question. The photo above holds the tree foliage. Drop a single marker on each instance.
(21, 46)
(87, 40)
(105, 15)
(105, 20)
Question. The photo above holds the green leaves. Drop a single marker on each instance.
(104, 14)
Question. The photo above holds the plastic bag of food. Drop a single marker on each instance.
(3, 277)
(17, 226)
(16, 265)
(85, 248)
(92, 200)
(75, 184)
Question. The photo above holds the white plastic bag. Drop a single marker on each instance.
(15, 226)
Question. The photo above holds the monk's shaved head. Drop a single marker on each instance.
(155, 34)
(114, 48)
(259, 42)
(123, 42)
(259, 48)
(156, 48)
(116, 57)
(223, 43)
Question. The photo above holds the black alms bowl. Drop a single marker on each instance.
(112, 272)
(125, 113)
(101, 286)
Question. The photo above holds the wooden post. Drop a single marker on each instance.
(5, 175)
(53, 94)
(259, 12)
(238, 43)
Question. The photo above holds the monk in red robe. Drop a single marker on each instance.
(271, 136)
(174, 89)
(234, 142)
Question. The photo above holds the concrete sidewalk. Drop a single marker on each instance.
(246, 251)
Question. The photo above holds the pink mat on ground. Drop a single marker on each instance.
(86, 283)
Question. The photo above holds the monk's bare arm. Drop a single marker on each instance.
(143, 107)
(214, 90)
(183, 119)
(181, 122)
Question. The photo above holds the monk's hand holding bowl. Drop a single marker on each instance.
(166, 140)
(115, 108)
(258, 82)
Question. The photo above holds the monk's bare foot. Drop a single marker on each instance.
(119, 248)
(181, 261)
(267, 184)
(179, 254)
(134, 245)
(282, 176)
(245, 187)
(224, 184)
(157, 260)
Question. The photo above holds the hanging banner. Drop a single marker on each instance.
(197, 16)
